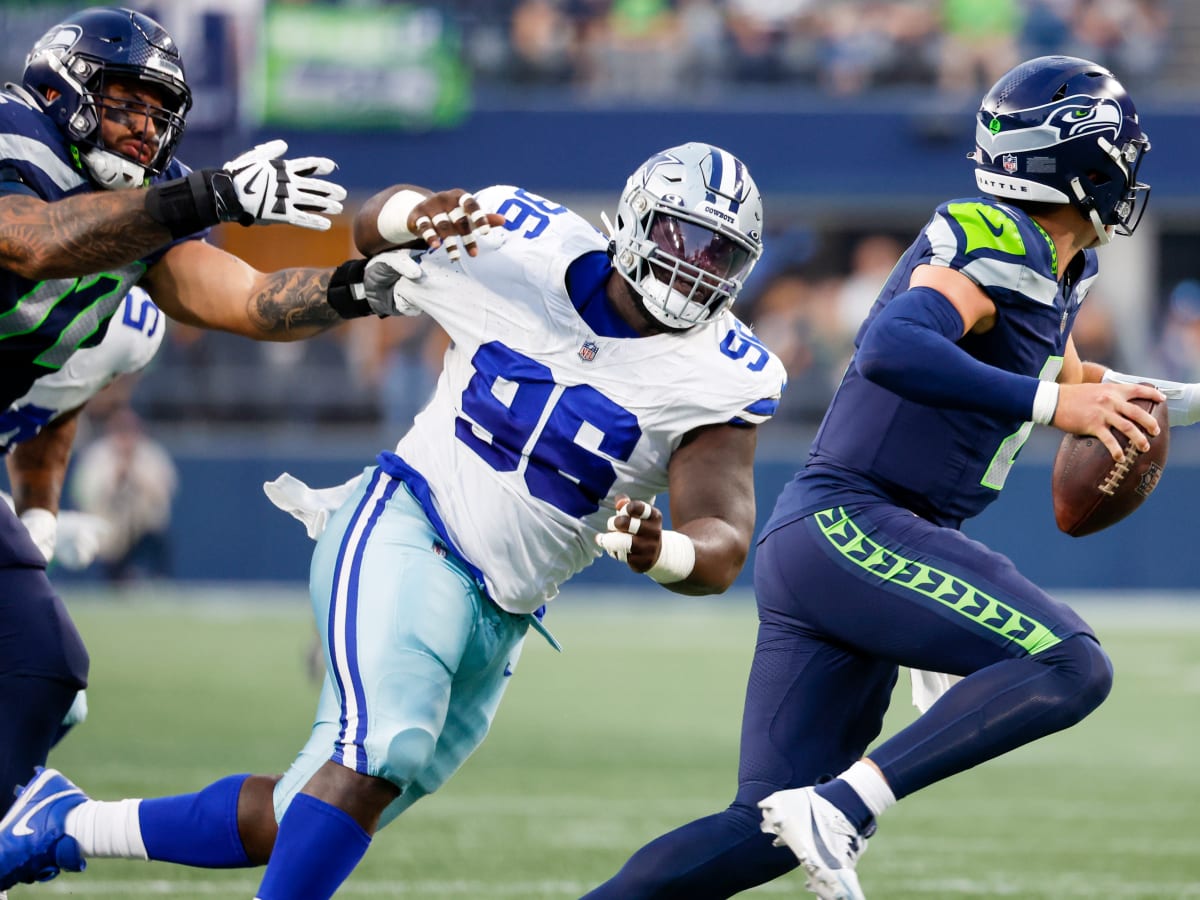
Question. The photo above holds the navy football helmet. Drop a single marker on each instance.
(69, 70)
(1058, 129)
(688, 232)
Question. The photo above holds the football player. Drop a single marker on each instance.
(38, 431)
(862, 567)
(586, 375)
(92, 202)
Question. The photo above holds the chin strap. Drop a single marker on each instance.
(1103, 232)
(112, 171)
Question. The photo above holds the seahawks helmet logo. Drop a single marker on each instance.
(1087, 117)
(1049, 125)
(61, 38)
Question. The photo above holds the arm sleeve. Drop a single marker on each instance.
(911, 349)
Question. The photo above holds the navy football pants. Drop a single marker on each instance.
(43, 662)
(843, 601)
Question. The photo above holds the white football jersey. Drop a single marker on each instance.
(537, 422)
(133, 337)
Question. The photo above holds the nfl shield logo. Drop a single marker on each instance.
(588, 351)
(1010, 163)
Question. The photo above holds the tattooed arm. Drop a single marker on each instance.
(203, 285)
(77, 235)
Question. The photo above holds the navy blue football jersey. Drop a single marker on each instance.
(948, 465)
(43, 322)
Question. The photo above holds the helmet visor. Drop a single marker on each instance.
(707, 250)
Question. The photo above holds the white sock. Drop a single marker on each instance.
(870, 786)
(107, 830)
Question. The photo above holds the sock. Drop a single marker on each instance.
(317, 848)
(845, 799)
(107, 830)
(861, 793)
(870, 786)
(196, 829)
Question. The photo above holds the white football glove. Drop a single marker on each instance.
(271, 190)
(80, 537)
(312, 507)
(384, 280)
(43, 529)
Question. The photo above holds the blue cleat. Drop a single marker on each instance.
(33, 843)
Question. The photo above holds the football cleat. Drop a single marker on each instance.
(824, 841)
(33, 843)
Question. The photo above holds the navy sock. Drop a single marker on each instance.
(317, 848)
(196, 829)
(847, 800)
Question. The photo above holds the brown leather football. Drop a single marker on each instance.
(1092, 490)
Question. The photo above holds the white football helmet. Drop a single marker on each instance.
(688, 232)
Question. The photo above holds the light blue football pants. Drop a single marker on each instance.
(417, 658)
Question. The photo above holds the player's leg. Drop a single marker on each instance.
(487, 668)
(939, 601)
(43, 664)
(42, 659)
(811, 709)
(397, 618)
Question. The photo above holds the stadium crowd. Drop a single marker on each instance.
(812, 289)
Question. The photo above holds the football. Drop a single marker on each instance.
(1092, 490)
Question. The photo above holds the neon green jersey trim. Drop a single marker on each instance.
(988, 612)
(987, 228)
(1050, 244)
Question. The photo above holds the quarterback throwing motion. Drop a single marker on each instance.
(587, 375)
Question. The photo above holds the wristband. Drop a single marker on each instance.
(200, 200)
(346, 292)
(392, 221)
(1045, 402)
(676, 558)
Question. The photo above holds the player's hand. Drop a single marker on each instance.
(80, 536)
(267, 189)
(1093, 409)
(453, 218)
(384, 280)
(634, 534)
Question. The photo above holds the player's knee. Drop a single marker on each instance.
(1088, 672)
(409, 752)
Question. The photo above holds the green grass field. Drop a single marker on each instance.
(631, 731)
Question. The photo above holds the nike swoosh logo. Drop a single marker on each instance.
(248, 187)
(21, 826)
(827, 857)
(991, 227)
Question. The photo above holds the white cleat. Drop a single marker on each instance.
(824, 841)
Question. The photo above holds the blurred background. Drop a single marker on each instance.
(855, 117)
